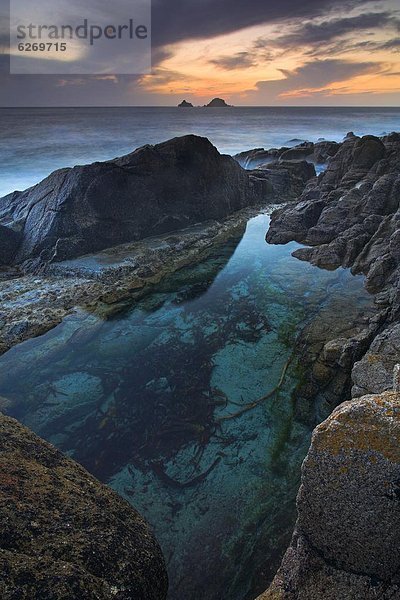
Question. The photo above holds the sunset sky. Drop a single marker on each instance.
(254, 52)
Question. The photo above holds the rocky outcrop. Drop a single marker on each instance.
(185, 104)
(154, 190)
(349, 216)
(373, 373)
(318, 153)
(149, 192)
(346, 541)
(9, 242)
(65, 535)
(251, 159)
(287, 177)
(217, 103)
(301, 152)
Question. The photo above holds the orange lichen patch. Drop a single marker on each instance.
(370, 424)
(373, 358)
(272, 593)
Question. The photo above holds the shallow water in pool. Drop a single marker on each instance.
(151, 402)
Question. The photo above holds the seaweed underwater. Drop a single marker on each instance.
(184, 403)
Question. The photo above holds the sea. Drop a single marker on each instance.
(36, 141)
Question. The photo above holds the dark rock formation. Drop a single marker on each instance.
(300, 152)
(350, 215)
(288, 177)
(217, 103)
(9, 242)
(318, 153)
(185, 104)
(65, 535)
(346, 541)
(374, 372)
(323, 151)
(251, 159)
(149, 192)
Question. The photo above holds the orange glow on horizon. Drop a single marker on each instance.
(249, 65)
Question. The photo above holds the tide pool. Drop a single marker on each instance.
(163, 402)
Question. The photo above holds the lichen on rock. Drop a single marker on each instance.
(65, 535)
(346, 541)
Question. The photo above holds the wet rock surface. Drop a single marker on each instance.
(317, 153)
(151, 191)
(287, 177)
(33, 304)
(345, 544)
(9, 242)
(65, 535)
(349, 215)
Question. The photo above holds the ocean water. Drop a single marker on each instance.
(36, 141)
(172, 403)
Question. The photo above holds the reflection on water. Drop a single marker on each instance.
(151, 401)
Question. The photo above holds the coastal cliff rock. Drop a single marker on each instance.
(373, 373)
(318, 153)
(346, 541)
(288, 177)
(154, 190)
(65, 535)
(9, 242)
(251, 159)
(349, 216)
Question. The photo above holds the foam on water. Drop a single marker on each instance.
(36, 141)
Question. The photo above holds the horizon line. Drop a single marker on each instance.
(201, 106)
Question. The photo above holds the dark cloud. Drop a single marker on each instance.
(241, 60)
(393, 44)
(175, 20)
(324, 32)
(178, 20)
(348, 47)
(315, 75)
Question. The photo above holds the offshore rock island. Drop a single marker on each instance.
(97, 238)
(214, 103)
(217, 103)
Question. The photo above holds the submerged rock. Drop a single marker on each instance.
(65, 535)
(154, 190)
(346, 540)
